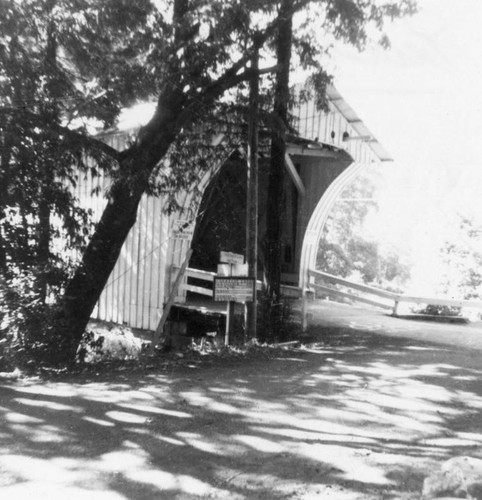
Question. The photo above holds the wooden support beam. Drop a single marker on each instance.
(160, 327)
(305, 151)
(290, 167)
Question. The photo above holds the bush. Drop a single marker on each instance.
(25, 323)
(433, 310)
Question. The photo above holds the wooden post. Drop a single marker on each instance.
(229, 314)
(229, 321)
(160, 327)
(395, 307)
(304, 311)
(252, 196)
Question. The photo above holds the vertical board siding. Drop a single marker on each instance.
(142, 278)
(312, 123)
(134, 293)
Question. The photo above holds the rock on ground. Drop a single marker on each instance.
(459, 477)
(113, 341)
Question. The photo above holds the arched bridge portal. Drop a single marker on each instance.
(318, 168)
(311, 167)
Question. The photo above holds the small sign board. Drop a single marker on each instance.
(232, 270)
(182, 229)
(231, 258)
(234, 289)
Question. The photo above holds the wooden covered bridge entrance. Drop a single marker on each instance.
(331, 149)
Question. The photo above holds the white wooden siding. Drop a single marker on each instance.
(134, 293)
(143, 275)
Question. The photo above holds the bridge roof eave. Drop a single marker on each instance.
(357, 124)
(317, 150)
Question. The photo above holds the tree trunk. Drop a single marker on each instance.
(174, 110)
(278, 148)
(5, 156)
(136, 164)
(43, 240)
(252, 198)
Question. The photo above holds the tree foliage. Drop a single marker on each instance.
(68, 64)
(40, 160)
(461, 258)
(346, 250)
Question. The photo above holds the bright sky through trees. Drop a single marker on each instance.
(422, 100)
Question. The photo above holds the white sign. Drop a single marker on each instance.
(231, 258)
(182, 229)
(232, 270)
(234, 289)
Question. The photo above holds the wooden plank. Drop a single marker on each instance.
(291, 291)
(200, 274)
(123, 285)
(141, 218)
(337, 293)
(356, 286)
(229, 322)
(147, 260)
(160, 327)
(155, 283)
(317, 153)
(289, 278)
(290, 167)
(130, 280)
(198, 289)
(207, 307)
(164, 244)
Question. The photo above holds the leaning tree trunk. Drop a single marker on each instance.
(175, 109)
(278, 149)
(136, 165)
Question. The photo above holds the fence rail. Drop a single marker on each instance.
(208, 276)
(345, 295)
(200, 275)
(377, 296)
(325, 283)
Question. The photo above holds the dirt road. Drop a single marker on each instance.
(356, 416)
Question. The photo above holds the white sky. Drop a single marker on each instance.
(422, 99)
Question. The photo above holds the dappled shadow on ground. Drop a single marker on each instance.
(354, 417)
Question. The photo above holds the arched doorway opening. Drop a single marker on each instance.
(311, 168)
(314, 228)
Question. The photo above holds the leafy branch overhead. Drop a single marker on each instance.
(67, 69)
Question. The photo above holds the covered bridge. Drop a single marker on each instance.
(331, 149)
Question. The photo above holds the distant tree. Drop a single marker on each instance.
(461, 261)
(346, 251)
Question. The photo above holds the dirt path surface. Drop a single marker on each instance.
(358, 415)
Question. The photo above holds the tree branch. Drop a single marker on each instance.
(85, 139)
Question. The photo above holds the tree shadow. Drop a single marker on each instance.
(361, 415)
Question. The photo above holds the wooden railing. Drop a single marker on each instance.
(326, 283)
(207, 276)
(377, 296)
(371, 295)
(200, 275)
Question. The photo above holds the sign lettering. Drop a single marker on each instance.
(234, 289)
